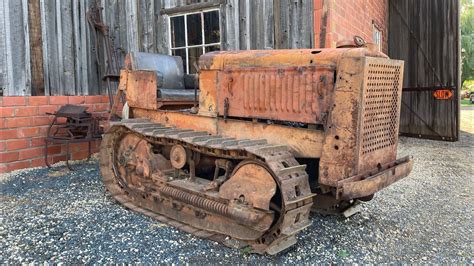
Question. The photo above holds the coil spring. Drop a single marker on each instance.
(196, 200)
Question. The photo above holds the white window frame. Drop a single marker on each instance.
(186, 46)
(377, 35)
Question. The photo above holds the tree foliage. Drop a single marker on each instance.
(467, 40)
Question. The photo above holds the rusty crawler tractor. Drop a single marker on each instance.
(276, 134)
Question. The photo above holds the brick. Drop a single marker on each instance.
(94, 99)
(38, 100)
(18, 165)
(76, 99)
(17, 144)
(54, 149)
(28, 132)
(43, 130)
(47, 109)
(100, 107)
(59, 100)
(14, 101)
(36, 142)
(26, 111)
(7, 111)
(18, 122)
(42, 120)
(3, 167)
(8, 134)
(2, 145)
(30, 153)
(6, 157)
(58, 158)
(78, 147)
(38, 162)
(2, 122)
(79, 155)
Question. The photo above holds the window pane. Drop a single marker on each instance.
(177, 31)
(194, 54)
(194, 29)
(211, 27)
(182, 54)
(213, 48)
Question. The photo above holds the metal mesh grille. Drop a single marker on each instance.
(380, 116)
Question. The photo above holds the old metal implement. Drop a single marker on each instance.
(72, 124)
(276, 134)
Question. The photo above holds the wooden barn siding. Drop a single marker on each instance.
(15, 56)
(3, 49)
(431, 57)
(69, 54)
(36, 48)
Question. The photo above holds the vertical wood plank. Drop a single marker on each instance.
(283, 24)
(307, 29)
(295, 18)
(145, 25)
(132, 27)
(3, 49)
(95, 83)
(26, 47)
(268, 27)
(9, 90)
(253, 24)
(162, 25)
(59, 37)
(36, 52)
(122, 28)
(230, 15)
(84, 48)
(67, 49)
(77, 48)
(223, 26)
(45, 40)
(244, 24)
(17, 48)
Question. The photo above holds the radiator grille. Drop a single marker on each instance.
(381, 114)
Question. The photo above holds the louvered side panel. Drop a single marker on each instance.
(284, 94)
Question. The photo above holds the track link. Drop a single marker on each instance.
(290, 176)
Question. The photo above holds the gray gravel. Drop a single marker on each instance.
(61, 216)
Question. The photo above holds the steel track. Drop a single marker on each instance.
(289, 175)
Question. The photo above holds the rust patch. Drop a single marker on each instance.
(142, 89)
(250, 183)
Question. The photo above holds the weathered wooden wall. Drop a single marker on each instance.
(15, 76)
(425, 33)
(66, 48)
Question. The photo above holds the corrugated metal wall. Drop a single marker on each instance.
(67, 41)
(425, 33)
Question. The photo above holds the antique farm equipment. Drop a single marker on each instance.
(276, 134)
(72, 124)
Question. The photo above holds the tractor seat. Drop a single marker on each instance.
(172, 83)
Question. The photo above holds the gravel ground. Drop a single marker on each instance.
(61, 216)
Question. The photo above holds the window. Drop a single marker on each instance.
(194, 34)
(377, 36)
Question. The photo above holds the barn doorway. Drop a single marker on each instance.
(425, 33)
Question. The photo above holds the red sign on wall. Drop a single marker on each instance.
(443, 94)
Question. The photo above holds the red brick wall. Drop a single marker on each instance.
(23, 127)
(336, 20)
